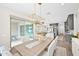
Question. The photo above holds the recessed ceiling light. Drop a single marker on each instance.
(48, 13)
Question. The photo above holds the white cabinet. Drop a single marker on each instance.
(75, 46)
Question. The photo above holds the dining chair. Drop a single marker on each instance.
(51, 48)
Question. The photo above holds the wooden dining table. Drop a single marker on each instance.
(34, 51)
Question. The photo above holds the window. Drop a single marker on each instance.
(22, 30)
(29, 30)
(26, 30)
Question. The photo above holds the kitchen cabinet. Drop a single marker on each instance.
(75, 46)
(69, 24)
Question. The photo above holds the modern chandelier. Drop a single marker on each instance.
(37, 19)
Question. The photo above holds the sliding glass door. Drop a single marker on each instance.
(21, 30)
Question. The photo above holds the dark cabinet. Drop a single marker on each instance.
(55, 29)
(69, 24)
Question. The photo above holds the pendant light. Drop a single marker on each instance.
(34, 17)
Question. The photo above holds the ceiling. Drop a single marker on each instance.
(51, 12)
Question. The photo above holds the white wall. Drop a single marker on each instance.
(14, 28)
(5, 25)
(76, 23)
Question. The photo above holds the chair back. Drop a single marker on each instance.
(52, 47)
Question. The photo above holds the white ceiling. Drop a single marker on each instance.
(52, 12)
